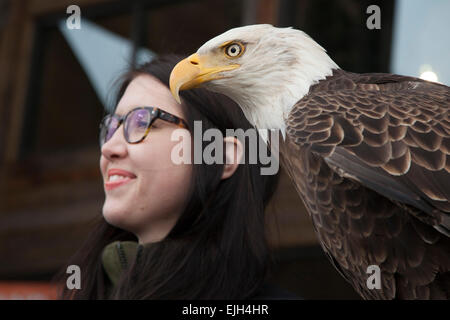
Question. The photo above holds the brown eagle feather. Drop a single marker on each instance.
(369, 155)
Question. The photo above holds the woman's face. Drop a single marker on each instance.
(149, 204)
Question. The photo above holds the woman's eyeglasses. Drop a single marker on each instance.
(136, 123)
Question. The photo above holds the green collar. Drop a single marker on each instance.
(117, 256)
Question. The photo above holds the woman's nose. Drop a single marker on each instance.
(116, 146)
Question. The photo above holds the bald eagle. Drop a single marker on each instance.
(369, 154)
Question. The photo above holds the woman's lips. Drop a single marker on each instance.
(109, 185)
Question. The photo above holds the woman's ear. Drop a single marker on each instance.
(233, 153)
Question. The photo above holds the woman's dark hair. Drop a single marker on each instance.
(217, 249)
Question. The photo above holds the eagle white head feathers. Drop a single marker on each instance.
(275, 69)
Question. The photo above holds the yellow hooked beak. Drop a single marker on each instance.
(193, 71)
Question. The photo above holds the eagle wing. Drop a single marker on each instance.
(374, 153)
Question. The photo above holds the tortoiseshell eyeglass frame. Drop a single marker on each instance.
(155, 113)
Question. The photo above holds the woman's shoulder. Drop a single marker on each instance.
(270, 291)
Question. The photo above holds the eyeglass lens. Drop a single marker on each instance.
(135, 125)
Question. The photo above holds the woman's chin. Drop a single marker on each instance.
(114, 215)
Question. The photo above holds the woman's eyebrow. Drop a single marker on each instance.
(120, 114)
(129, 109)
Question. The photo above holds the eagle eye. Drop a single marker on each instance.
(234, 50)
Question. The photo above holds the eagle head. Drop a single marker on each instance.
(264, 69)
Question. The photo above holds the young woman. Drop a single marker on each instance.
(174, 231)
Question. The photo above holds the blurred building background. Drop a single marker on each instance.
(55, 85)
